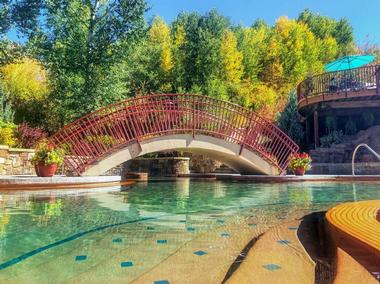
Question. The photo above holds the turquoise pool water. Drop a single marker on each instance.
(121, 235)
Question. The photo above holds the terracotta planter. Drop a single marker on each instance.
(45, 170)
(299, 171)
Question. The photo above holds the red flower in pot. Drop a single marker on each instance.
(47, 159)
(299, 163)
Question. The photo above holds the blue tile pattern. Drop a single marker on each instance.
(126, 264)
(224, 234)
(190, 229)
(162, 241)
(161, 282)
(80, 257)
(200, 252)
(220, 221)
(31, 253)
(283, 242)
(272, 266)
(118, 240)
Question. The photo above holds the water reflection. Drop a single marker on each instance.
(28, 221)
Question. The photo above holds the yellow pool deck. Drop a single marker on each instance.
(355, 229)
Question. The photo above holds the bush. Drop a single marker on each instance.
(334, 137)
(368, 119)
(7, 134)
(350, 127)
(27, 136)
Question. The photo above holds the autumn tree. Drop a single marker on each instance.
(25, 85)
(232, 58)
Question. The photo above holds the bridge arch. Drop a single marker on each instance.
(227, 132)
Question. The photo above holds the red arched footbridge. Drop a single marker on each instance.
(221, 130)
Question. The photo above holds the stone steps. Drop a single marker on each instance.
(342, 152)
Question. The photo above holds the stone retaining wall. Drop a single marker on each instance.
(370, 168)
(168, 166)
(16, 161)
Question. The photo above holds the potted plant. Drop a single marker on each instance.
(299, 163)
(47, 158)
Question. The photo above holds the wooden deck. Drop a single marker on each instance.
(352, 85)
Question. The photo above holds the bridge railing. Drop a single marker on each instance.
(98, 134)
(356, 79)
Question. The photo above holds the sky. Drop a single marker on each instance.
(364, 15)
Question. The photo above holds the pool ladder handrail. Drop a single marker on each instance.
(354, 154)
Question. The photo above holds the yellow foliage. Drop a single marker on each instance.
(159, 34)
(180, 36)
(24, 81)
(232, 58)
(7, 135)
(166, 58)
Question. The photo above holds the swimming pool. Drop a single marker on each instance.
(150, 233)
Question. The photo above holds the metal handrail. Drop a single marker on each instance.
(354, 154)
(100, 133)
(329, 83)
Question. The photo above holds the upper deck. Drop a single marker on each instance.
(354, 84)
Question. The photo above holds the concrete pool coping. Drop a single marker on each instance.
(10, 183)
(286, 178)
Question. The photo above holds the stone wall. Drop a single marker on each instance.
(166, 166)
(15, 161)
(369, 168)
(203, 164)
(342, 152)
(170, 166)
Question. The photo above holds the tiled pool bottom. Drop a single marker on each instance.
(164, 232)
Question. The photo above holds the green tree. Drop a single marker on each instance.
(81, 42)
(289, 120)
(324, 27)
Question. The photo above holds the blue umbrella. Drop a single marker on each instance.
(349, 62)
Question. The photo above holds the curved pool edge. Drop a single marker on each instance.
(31, 183)
(355, 230)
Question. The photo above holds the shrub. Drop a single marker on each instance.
(334, 137)
(27, 136)
(7, 134)
(350, 127)
(368, 119)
